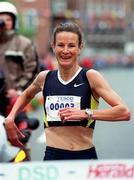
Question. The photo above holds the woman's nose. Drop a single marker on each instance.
(65, 49)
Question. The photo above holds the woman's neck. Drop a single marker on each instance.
(68, 73)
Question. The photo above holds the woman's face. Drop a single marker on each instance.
(7, 20)
(66, 48)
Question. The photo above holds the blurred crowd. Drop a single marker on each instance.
(100, 61)
(96, 61)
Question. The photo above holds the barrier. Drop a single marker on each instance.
(69, 170)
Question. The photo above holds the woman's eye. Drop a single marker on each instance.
(60, 45)
(72, 46)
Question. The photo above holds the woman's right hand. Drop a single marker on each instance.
(13, 133)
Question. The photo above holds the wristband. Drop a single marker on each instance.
(89, 112)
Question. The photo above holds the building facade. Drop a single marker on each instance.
(35, 18)
(106, 23)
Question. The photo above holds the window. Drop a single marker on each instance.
(58, 6)
(29, 0)
(31, 18)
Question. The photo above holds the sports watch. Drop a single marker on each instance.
(89, 112)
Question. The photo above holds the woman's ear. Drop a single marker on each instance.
(80, 48)
(52, 46)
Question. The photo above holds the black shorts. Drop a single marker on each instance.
(61, 154)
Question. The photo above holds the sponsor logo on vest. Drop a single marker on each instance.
(77, 85)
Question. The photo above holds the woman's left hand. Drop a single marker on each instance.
(69, 114)
(13, 133)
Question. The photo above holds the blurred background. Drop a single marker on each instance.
(108, 27)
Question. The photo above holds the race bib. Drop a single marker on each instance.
(54, 103)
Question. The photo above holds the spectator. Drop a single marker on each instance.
(18, 56)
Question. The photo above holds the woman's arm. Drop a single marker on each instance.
(118, 111)
(12, 131)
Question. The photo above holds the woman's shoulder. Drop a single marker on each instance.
(93, 72)
(40, 79)
(42, 75)
(94, 76)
